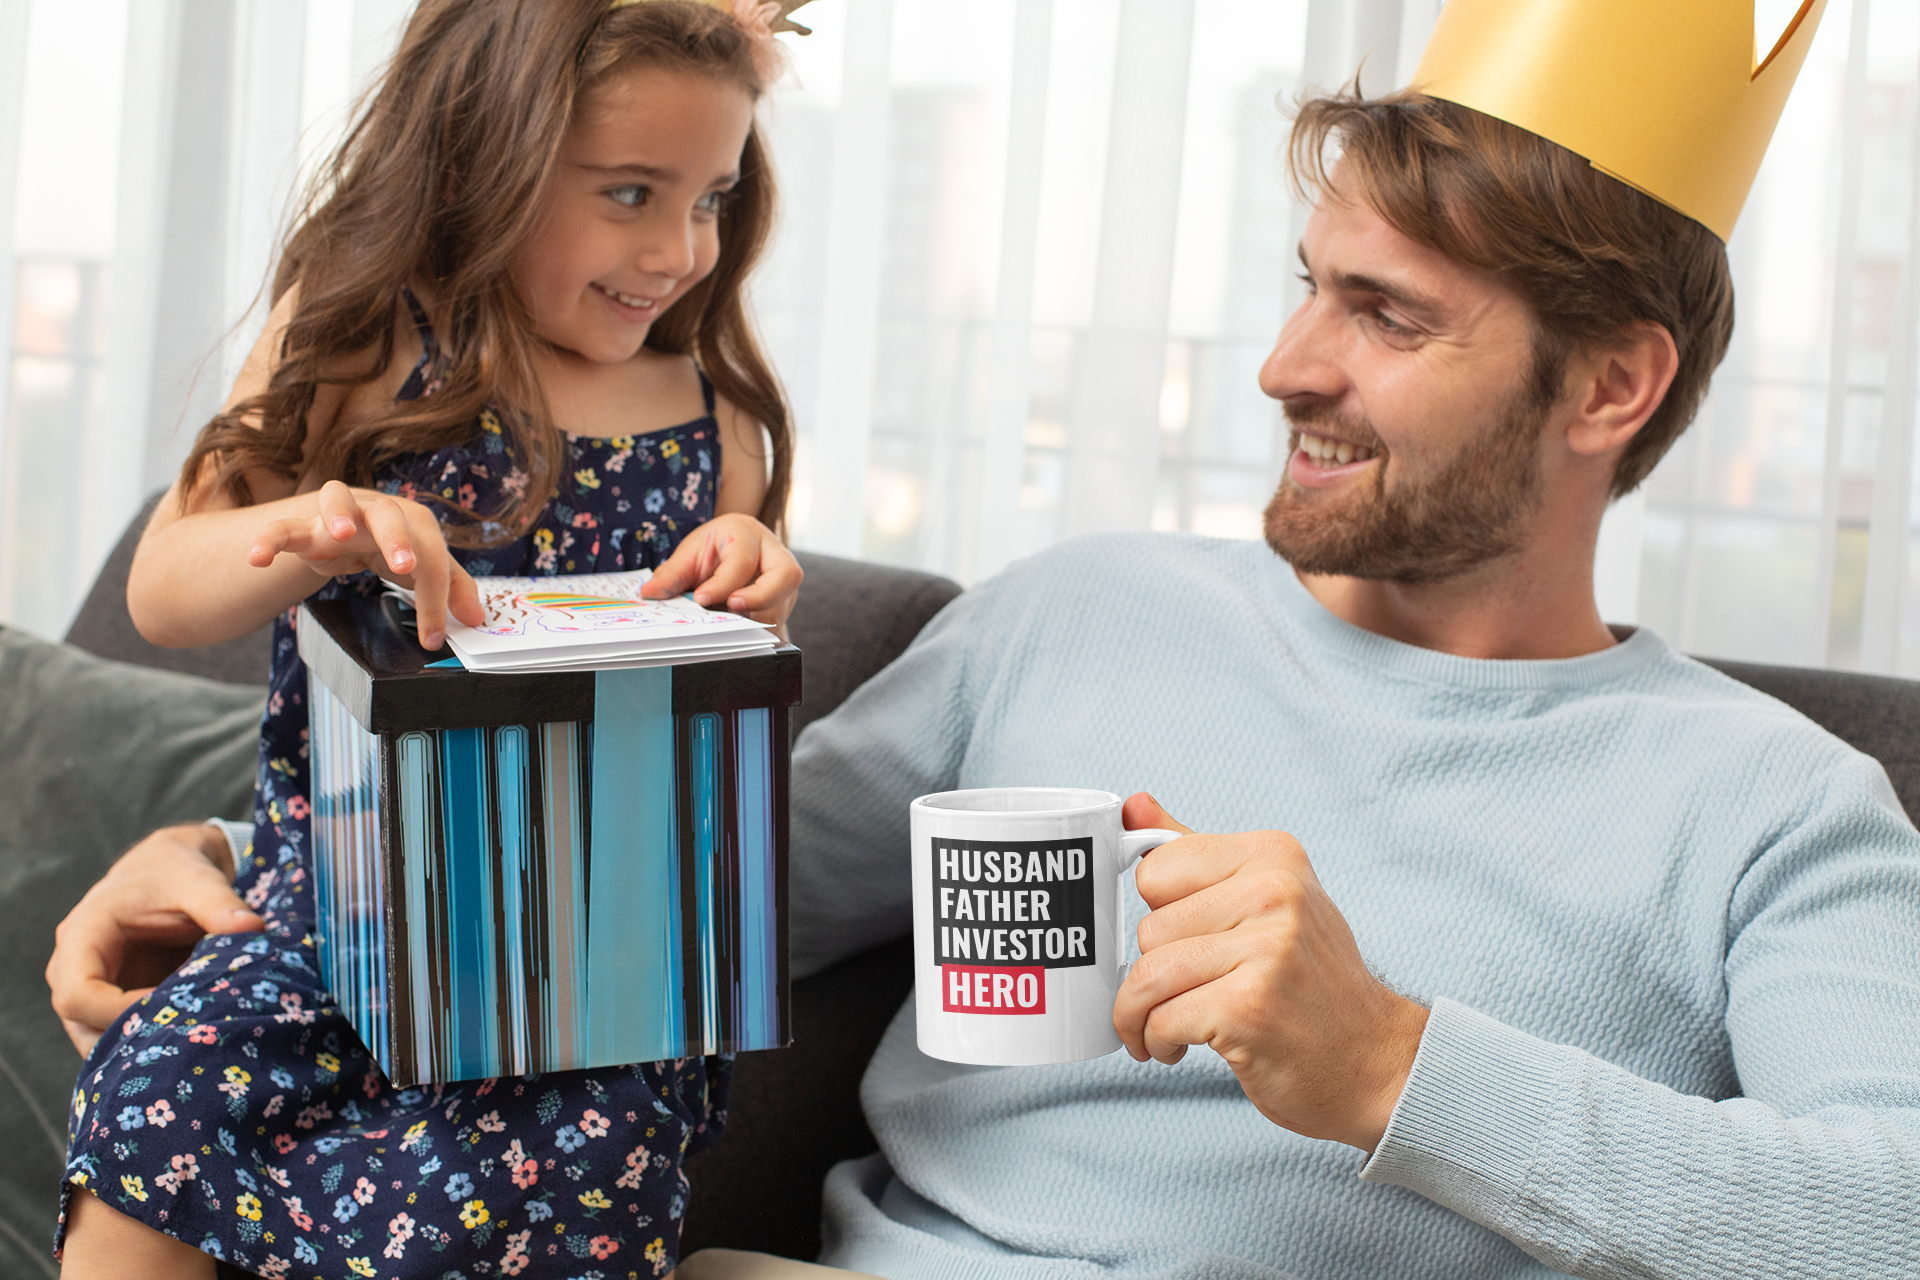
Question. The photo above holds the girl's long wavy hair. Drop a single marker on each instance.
(439, 181)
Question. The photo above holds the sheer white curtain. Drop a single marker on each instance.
(148, 152)
(1032, 254)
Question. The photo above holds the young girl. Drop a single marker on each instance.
(510, 339)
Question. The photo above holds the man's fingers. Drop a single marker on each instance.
(1141, 811)
(1167, 974)
(221, 910)
(1272, 896)
(82, 1037)
(92, 1008)
(1189, 865)
(1193, 1017)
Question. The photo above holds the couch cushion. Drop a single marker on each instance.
(103, 628)
(853, 618)
(1879, 715)
(97, 755)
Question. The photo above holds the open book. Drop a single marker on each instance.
(594, 621)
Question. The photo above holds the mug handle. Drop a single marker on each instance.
(1134, 844)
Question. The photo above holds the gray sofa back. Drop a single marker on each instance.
(795, 1112)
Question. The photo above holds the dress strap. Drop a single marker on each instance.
(419, 382)
(706, 389)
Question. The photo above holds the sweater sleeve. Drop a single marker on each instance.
(900, 735)
(1813, 1170)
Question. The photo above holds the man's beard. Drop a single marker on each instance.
(1427, 528)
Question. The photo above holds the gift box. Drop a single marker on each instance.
(529, 872)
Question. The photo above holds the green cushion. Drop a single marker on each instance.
(96, 755)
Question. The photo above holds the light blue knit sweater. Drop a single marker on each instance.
(1671, 930)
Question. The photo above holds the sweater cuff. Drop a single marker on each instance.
(1468, 1124)
(239, 835)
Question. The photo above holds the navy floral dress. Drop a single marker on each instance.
(237, 1110)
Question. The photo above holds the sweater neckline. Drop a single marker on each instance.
(1325, 630)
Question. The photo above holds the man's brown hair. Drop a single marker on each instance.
(1588, 254)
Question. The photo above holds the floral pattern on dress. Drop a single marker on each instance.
(236, 1109)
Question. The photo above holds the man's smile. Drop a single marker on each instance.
(1323, 460)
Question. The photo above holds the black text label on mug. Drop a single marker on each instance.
(1020, 903)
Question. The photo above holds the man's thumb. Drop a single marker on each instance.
(218, 909)
(1142, 811)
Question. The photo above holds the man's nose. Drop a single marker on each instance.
(1304, 360)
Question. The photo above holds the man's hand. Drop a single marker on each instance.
(139, 922)
(1245, 952)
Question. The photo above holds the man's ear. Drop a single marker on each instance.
(1618, 386)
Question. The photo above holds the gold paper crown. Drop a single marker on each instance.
(777, 21)
(1668, 96)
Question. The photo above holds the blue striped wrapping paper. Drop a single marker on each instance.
(515, 898)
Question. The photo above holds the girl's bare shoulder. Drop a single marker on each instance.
(746, 459)
(342, 390)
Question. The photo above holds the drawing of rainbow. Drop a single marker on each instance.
(577, 603)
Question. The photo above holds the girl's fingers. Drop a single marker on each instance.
(463, 599)
(272, 541)
(432, 580)
(436, 578)
(679, 572)
(339, 511)
(387, 522)
(304, 537)
(773, 591)
(735, 565)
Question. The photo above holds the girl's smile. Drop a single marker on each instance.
(639, 310)
(630, 218)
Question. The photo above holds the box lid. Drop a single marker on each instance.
(371, 661)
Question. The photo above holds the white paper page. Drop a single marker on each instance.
(570, 616)
(708, 653)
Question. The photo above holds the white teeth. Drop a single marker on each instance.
(624, 298)
(1328, 452)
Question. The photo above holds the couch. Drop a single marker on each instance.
(106, 737)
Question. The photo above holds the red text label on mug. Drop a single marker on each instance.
(968, 988)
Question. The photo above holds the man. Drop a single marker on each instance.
(1668, 928)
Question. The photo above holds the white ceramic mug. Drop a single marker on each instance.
(1016, 915)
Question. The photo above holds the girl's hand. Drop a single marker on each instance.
(735, 560)
(358, 530)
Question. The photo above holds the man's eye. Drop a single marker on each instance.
(1306, 280)
(1390, 324)
(632, 197)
